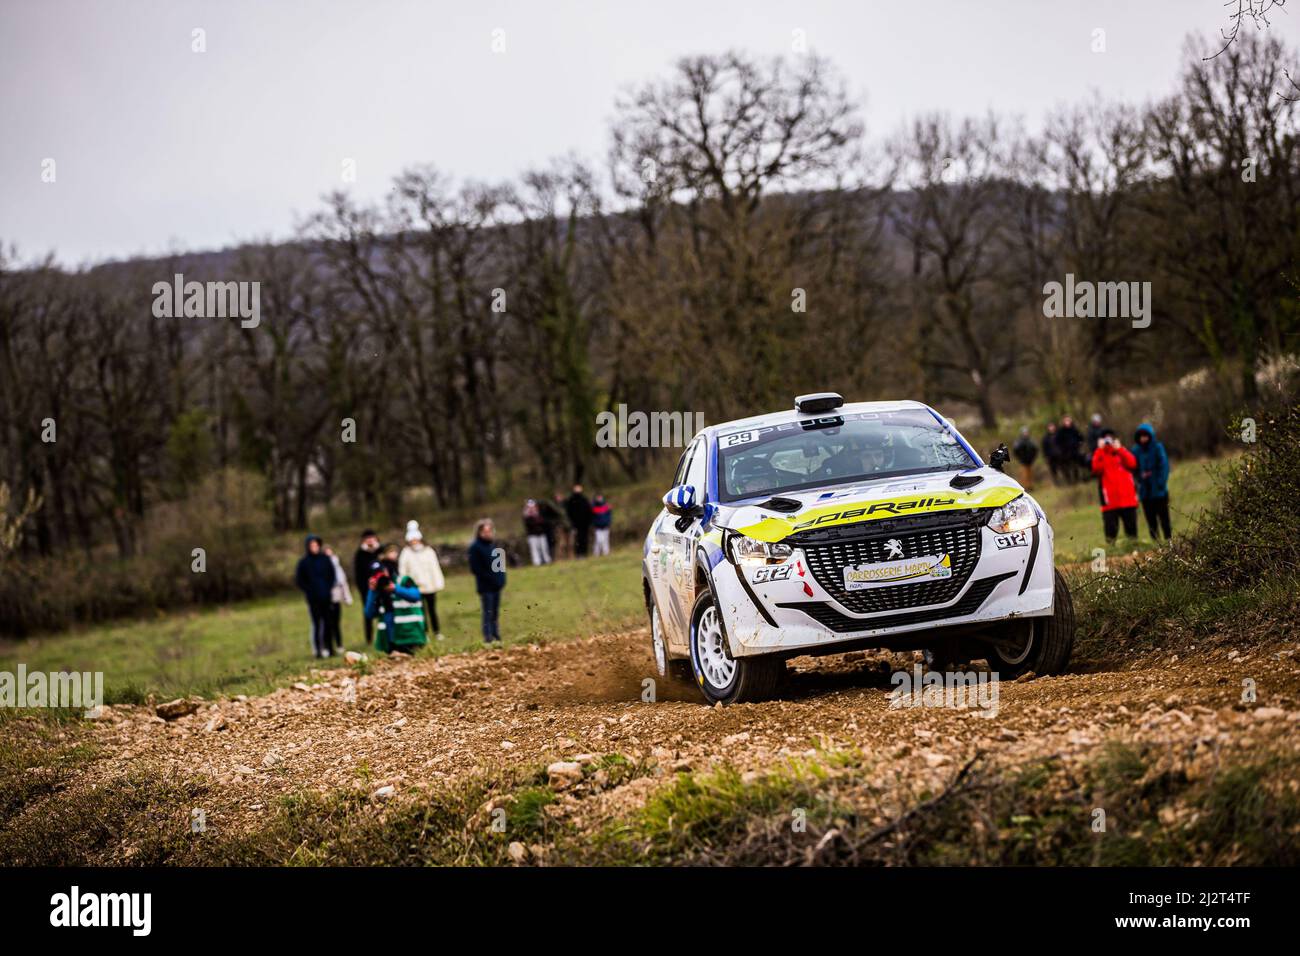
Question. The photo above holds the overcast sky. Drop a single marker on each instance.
(159, 148)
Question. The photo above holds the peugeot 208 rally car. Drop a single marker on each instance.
(833, 527)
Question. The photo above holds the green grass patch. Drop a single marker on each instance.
(1075, 513)
(1030, 815)
(254, 646)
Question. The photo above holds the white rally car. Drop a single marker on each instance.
(833, 527)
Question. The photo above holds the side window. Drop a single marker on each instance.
(697, 470)
(679, 476)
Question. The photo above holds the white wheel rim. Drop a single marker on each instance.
(657, 637)
(716, 664)
(1009, 652)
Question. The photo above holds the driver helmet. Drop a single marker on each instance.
(753, 475)
(873, 452)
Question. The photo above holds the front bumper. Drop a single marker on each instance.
(798, 613)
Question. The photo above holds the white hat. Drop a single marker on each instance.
(413, 530)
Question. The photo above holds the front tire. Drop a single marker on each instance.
(719, 676)
(1046, 643)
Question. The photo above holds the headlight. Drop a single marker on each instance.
(1015, 515)
(752, 551)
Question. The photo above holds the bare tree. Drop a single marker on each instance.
(955, 226)
(1096, 159)
(1226, 200)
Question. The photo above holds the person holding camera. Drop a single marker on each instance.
(1113, 464)
(399, 609)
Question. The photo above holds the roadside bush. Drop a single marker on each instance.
(1253, 535)
(225, 517)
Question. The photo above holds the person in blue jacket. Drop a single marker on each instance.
(315, 577)
(398, 606)
(487, 562)
(1152, 476)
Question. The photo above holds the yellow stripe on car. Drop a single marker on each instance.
(772, 529)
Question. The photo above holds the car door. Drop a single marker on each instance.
(664, 543)
(670, 554)
(684, 537)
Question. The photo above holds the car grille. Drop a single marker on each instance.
(826, 615)
(828, 554)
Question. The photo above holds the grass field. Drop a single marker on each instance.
(1076, 518)
(253, 646)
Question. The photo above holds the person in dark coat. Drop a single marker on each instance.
(1051, 453)
(367, 552)
(1069, 444)
(1152, 480)
(1025, 451)
(1095, 428)
(552, 520)
(315, 578)
(578, 508)
(487, 564)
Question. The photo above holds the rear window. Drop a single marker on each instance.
(839, 450)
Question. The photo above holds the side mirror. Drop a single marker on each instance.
(999, 457)
(680, 500)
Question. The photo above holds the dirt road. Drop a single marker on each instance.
(418, 723)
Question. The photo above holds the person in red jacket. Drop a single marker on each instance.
(1114, 465)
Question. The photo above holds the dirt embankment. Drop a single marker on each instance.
(414, 724)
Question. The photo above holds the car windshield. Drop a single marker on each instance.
(796, 456)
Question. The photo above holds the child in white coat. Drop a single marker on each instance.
(420, 562)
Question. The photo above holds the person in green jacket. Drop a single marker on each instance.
(399, 609)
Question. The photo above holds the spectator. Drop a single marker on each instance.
(602, 516)
(340, 594)
(1025, 451)
(362, 562)
(1069, 445)
(399, 607)
(1114, 465)
(578, 508)
(559, 538)
(487, 563)
(539, 550)
(315, 578)
(1094, 436)
(419, 562)
(1152, 480)
(1094, 432)
(1051, 453)
(388, 556)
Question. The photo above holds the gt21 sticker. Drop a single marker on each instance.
(1016, 540)
(766, 575)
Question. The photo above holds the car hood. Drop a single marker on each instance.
(868, 501)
